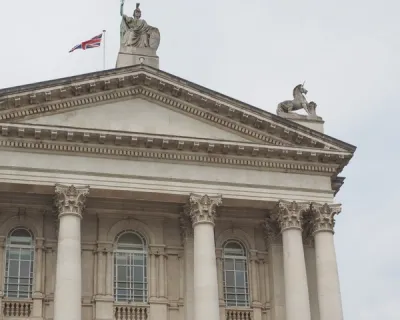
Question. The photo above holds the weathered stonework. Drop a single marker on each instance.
(324, 216)
(70, 199)
(203, 208)
(290, 214)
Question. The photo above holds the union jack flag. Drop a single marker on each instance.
(92, 43)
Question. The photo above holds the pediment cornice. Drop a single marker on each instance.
(50, 97)
(127, 145)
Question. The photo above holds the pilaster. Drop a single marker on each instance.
(188, 246)
(2, 266)
(220, 276)
(103, 299)
(255, 285)
(158, 301)
(38, 289)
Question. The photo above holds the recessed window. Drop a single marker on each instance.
(236, 287)
(20, 252)
(130, 268)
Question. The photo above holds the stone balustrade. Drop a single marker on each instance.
(17, 308)
(131, 312)
(238, 314)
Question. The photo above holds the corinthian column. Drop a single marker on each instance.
(70, 202)
(202, 213)
(330, 304)
(289, 215)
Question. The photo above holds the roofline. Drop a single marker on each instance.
(98, 74)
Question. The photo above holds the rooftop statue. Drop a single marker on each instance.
(299, 102)
(136, 33)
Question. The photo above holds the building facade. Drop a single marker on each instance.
(132, 194)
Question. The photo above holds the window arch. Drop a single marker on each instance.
(235, 269)
(130, 268)
(20, 254)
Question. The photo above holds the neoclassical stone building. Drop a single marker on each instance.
(133, 194)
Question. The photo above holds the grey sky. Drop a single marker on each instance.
(256, 51)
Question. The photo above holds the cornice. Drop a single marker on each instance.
(25, 101)
(125, 145)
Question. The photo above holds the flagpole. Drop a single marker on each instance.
(104, 50)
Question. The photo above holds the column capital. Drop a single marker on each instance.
(70, 200)
(324, 216)
(203, 208)
(290, 213)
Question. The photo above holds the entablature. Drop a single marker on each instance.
(42, 138)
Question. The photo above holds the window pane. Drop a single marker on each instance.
(13, 268)
(239, 279)
(229, 278)
(122, 273)
(130, 238)
(139, 259)
(138, 276)
(26, 255)
(228, 264)
(240, 265)
(25, 268)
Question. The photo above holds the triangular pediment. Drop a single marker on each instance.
(143, 99)
(136, 115)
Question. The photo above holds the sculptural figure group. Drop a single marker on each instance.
(299, 102)
(135, 32)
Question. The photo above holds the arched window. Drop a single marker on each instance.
(236, 286)
(130, 268)
(20, 251)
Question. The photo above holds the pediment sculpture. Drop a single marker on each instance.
(299, 102)
(136, 33)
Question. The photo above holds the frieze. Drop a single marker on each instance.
(119, 152)
(136, 145)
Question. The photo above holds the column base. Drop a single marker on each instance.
(37, 308)
(159, 310)
(104, 307)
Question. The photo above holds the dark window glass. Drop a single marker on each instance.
(130, 268)
(19, 264)
(235, 275)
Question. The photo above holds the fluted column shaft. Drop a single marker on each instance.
(68, 291)
(329, 297)
(202, 212)
(297, 302)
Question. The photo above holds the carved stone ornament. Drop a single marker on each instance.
(70, 199)
(308, 228)
(271, 230)
(136, 33)
(324, 216)
(203, 208)
(290, 214)
(185, 225)
(299, 102)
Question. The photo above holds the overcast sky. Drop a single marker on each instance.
(348, 51)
